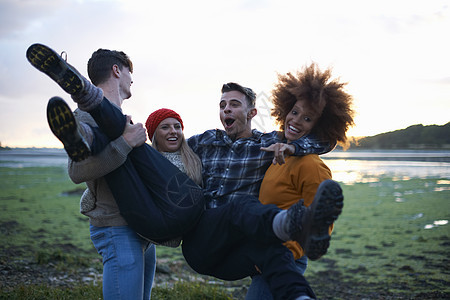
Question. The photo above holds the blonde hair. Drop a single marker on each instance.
(192, 163)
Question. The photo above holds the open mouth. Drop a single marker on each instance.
(292, 128)
(229, 121)
(172, 139)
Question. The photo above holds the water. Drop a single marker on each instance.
(347, 166)
(368, 166)
(33, 157)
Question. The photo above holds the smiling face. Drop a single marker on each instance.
(168, 135)
(236, 115)
(300, 120)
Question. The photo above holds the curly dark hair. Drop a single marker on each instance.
(316, 87)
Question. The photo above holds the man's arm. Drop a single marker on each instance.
(94, 167)
(193, 142)
(310, 144)
(110, 158)
(307, 144)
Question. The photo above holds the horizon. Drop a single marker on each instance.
(391, 54)
(349, 138)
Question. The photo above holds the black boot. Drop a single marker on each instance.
(309, 226)
(65, 127)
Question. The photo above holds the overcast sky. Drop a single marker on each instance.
(393, 54)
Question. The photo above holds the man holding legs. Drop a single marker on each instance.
(234, 166)
(129, 261)
(267, 234)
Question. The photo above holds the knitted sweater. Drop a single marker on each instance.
(175, 158)
(299, 178)
(98, 202)
(89, 202)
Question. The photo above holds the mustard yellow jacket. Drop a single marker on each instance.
(299, 178)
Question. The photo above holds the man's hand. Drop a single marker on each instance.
(134, 134)
(280, 150)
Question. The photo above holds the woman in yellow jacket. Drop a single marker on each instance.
(305, 102)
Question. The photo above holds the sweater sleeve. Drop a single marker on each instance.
(96, 166)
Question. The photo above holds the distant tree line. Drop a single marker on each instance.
(417, 137)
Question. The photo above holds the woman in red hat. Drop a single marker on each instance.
(165, 131)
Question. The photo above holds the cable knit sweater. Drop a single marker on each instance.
(98, 202)
(175, 158)
(90, 202)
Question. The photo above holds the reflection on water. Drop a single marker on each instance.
(400, 155)
(352, 171)
(436, 224)
(368, 166)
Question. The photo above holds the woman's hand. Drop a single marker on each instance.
(280, 150)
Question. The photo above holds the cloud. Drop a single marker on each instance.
(17, 17)
(388, 51)
(63, 25)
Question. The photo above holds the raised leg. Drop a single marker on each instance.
(156, 199)
(309, 226)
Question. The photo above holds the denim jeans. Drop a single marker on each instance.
(230, 241)
(129, 262)
(259, 289)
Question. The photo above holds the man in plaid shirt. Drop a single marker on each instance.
(233, 162)
(234, 165)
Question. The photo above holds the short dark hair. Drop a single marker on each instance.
(248, 92)
(101, 62)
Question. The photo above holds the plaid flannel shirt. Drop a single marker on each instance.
(234, 169)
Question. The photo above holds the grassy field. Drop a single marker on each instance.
(391, 242)
(382, 243)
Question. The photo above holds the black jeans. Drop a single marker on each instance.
(156, 199)
(230, 242)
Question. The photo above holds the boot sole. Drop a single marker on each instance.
(329, 207)
(49, 62)
(64, 126)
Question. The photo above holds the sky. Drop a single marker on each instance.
(394, 55)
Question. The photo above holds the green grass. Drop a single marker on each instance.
(380, 238)
(42, 292)
(185, 291)
(34, 204)
(380, 241)
(180, 291)
(40, 222)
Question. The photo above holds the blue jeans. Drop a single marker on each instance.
(129, 262)
(259, 289)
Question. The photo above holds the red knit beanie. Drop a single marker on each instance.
(157, 117)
